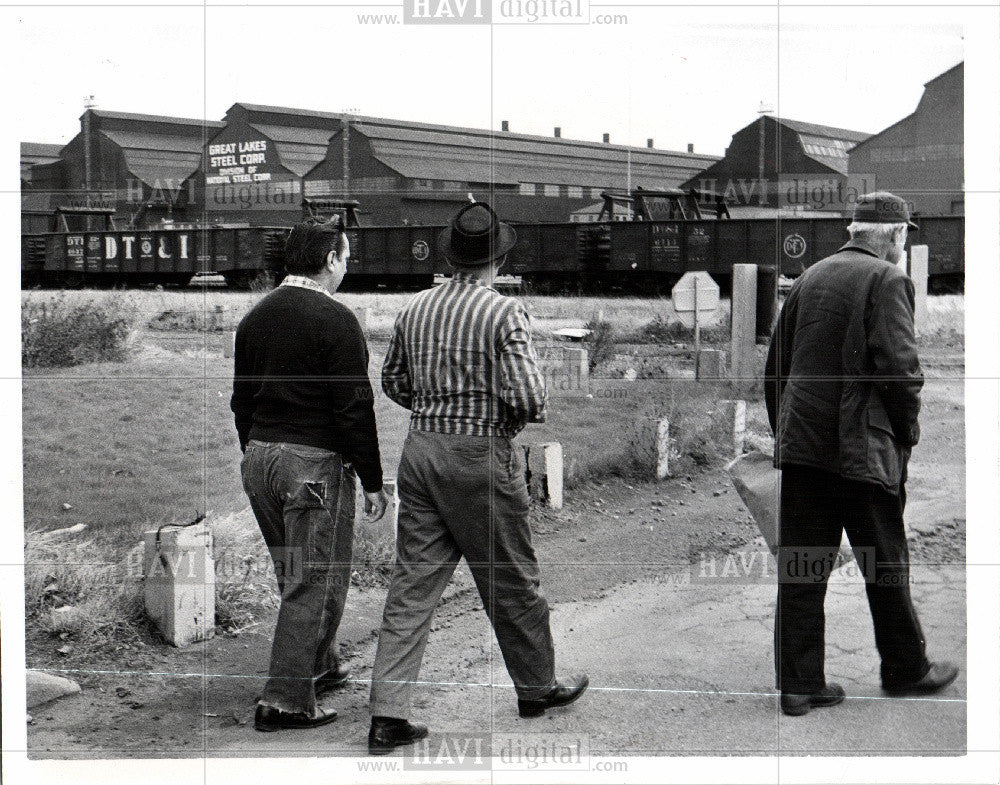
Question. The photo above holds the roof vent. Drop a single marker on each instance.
(504, 125)
(649, 143)
(690, 147)
(607, 138)
(557, 132)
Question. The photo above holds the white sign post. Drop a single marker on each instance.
(695, 296)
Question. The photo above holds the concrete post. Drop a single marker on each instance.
(554, 474)
(919, 258)
(229, 346)
(710, 364)
(744, 325)
(577, 368)
(544, 464)
(662, 449)
(735, 413)
(179, 582)
(362, 314)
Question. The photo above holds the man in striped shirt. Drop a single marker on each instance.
(461, 360)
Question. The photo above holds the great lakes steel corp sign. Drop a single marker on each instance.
(231, 163)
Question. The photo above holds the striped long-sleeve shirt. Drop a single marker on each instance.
(461, 359)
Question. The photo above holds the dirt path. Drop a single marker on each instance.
(679, 665)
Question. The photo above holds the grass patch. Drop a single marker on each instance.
(59, 333)
(660, 330)
(90, 577)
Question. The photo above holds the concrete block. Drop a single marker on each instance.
(545, 474)
(662, 449)
(566, 369)
(179, 582)
(743, 368)
(711, 365)
(66, 618)
(919, 260)
(229, 347)
(735, 413)
(44, 687)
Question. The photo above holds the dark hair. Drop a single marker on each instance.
(308, 244)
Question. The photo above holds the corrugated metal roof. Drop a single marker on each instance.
(824, 130)
(436, 134)
(300, 149)
(422, 133)
(507, 158)
(139, 140)
(155, 158)
(295, 135)
(155, 118)
(40, 151)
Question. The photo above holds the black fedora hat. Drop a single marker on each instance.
(476, 236)
(882, 207)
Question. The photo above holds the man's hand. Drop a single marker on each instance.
(375, 504)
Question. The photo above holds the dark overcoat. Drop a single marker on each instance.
(842, 379)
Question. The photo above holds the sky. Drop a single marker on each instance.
(678, 75)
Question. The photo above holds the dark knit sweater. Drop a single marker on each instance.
(302, 376)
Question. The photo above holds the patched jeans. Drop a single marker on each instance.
(303, 498)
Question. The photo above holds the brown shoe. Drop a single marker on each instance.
(268, 719)
(940, 675)
(797, 705)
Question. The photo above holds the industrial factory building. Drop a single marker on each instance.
(921, 157)
(258, 164)
(776, 165)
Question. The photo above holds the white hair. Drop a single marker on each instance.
(877, 234)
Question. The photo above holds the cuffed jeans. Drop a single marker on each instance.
(304, 500)
(816, 507)
(462, 496)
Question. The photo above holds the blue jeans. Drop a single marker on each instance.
(303, 499)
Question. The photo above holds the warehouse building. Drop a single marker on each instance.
(418, 173)
(776, 165)
(267, 159)
(36, 154)
(921, 157)
(138, 165)
(258, 165)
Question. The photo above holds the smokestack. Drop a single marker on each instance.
(557, 131)
(690, 147)
(649, 143)
(504, 125)
(607, 138)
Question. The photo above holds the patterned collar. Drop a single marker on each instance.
(305, 282)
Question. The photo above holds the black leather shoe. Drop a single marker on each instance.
(797, 705)
(268, 719)
(333, 679)
(387, 733)
(563, 694)
(937, 678)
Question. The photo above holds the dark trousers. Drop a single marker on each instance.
(304, 501)
(816, 507)
(462, 496)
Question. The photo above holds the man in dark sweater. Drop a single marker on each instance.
(305, 416)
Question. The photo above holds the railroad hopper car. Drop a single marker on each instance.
(635, 256)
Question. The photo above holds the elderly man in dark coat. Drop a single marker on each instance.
(843, 387)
